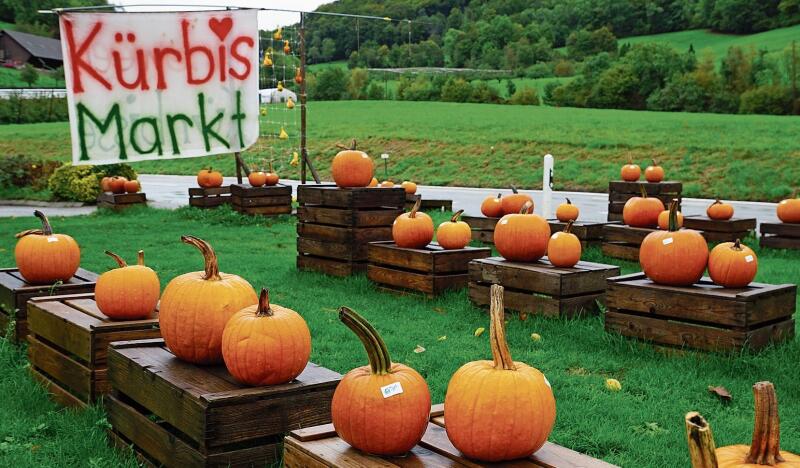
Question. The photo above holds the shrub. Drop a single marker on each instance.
(456, 90)
(331, 85)
(77, 183)
(539, 70)
(23, 171)
(375, 91)
(525, 97)
(563, 68)
(33, 110)
(120, 169)
(420, 88)
(771, 99)
(617, 88)
(483, 93)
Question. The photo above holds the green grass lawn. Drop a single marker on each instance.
(10, 78)
(642, 425)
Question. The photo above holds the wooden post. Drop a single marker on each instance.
(236, 156)
(303, 102)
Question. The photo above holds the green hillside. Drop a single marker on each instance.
(10, 78)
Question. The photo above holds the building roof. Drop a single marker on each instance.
(38, 46)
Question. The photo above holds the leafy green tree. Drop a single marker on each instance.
(617, 88)
(331, 85)
(525, 97)
(29, 74)
(357, 84)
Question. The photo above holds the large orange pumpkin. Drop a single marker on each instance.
(567, 212)
(492, 207)
(654, 173)
(719, 210)
(43, 257)
(196, 306)
(564, 248)
(732, 264)
(513, 203)
(413, 230)
(127, 292)
(382, 408)
(630, 172)
(498, 410)
(642, 211)
(352, 168)
(523, 236)
(789, 210)
(266, 344)
(454, 234)
(663, 218)
(673, 257)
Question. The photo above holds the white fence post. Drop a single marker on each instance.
(547, 192)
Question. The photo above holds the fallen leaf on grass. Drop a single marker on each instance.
(438, 310)
(441, 338)
(479, 331)
(613, 385)
(721, 392)
(536, 337)
(419, 349)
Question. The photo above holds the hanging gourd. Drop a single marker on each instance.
(280, 86)
(271, 177)
(492, 207)
(454, 234)
(567, 212)
(196, 306)
(43, 257)
(298, 77)
(654, 173)
(278, 34)
(642, 211)
(263, 111)
(352, 168)
(127, 292)
(523, 236)
(630, 172)
(283, 135)
(673, 257)
(295, 159)
(413, 230)
(564, 248)
(719, 210)
(513, 203)
(383, 408)
(267, 59)
(498, 410)
(290, 103)
(287, 49)
(732, 264)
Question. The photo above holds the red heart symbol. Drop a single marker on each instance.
(221, 27)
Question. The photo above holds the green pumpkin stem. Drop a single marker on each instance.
(568, 227)
(673, 215)
(379, 361)
(702, 448)
(497, 331)
(264, 310)
(456, 215)
(211, 265)
(526, 208)
(417, 205)
(47, 230)
(766, 446)
(140, 258)
(120, 261)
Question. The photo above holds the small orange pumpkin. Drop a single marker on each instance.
(630, 172)
(732, 264)
(105, 184)
(132, 186)
(654, 173)
(387, 184)
(642, 211)
(522, 237)
(673, 257)
(257, 178)
(373, 182)
(413, 230)
(513, 203)
(564, 248)
(454, 234)
(663, 220)
(382, 408)
(43, 257)
(409, 187)
(208, 178)
(719, 210)
(270, 177)
(266, 344)
(352, 168)
(567, 212)
(789, 210)
(492, 207)
(127, 292)
(117, 184)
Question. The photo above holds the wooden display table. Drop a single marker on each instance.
(780, 235)
(430, 270)
(620, 192)
(704, 316)
(267, 200)
(209, 197)
(539, 288)
(589, 233)
(120, 201)
(68, 345)
(482, 227)
(15, 293)
(428, 205)
(721, 231)
(320, 447)
(335, 225)
(182, 415)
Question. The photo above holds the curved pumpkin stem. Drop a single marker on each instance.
(377, 353)
(673, 215)
(526, 208)
(737, 245)
(352, 145)
(211, 265)
(140, 258)
(568, 227)
(417, 205)
(29, 232)
(497, 331)
(655, 163)
(766, 446)
(702, 448)
(644, 192)
(117, 258)
(456, 215)
(264, 310)
(47, 230)
(717, 201)
(514, 189)
(569, 202)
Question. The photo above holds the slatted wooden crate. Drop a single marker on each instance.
(539, 288)
(336, 224)
(428, 204)
(622, 241)
(120, 201)
(177, 414)
(620, 192)
(780, 235)
(430, 270)
(589, 233)
(265, 200)
(68, 345)
(703, 316)
(320, 447)
(200, 197)
(721, 231)
(482, 227)
(15, 293)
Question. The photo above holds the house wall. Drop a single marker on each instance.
(12, 51)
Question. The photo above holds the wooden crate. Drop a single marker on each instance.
(721, 231)
(780, 235)
(266, 200)
(703, 316)
(15, 293)
(620, 192)
(430, 270)
(589, 233)
(177, 414)
(428, 204)
(482, 227)
(68, 345)
(320, 447)
(120, 201)
(209, 197)
(539, 288)
(622, 241)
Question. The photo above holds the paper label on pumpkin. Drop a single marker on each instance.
(547, 382)
(748, 258)
(391, 390)
(52, 239)
(667, 241)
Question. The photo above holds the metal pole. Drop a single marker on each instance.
(303, 152)
(547, 190)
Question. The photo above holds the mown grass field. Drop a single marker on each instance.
(10, 78)
(642, 425)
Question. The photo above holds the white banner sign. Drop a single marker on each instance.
(160, 85)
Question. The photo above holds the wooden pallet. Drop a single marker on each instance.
(430, 270)
(15, 293)
(721, 231)
(120, 201)
(539, 288)
(68, 345)
(209, 197)
(482, 227)
(589, 233)
(428, 204)
(267, 200)
(177, 414)
(620, 192)
(320, 447)
(780, 235)
(703, 316)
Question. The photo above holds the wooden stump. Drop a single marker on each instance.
(589, 233)
(703, 316)
(620, 192)
(539, 288)
(267, 200)
(428, 204)
(68, 345)
(482, 227)
(430, 270)
(780, 235)
(209, 197)
(15, 293)
(120, 201)
(177, 414)
(721, 231)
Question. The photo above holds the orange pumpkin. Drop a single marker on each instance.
(382, 408)
(513, 203)
(409, 187)
(564, 248)
(373, 182)
(654, 173)
(789, 210)
(266, 344)
(132, 186)
(127, 292)
(105, 184)
(117, 184)
(257, 178)
(719, 210)
(270, 177)
(352, 168)
(454, 234)
(492, 207)
(663, 220)
(208, 178)
(642, 211)
(413, 230)
(673, 257)
(510, 403)
(567, 212)
(522, 237)
(43, 257)
(732, 264)
(630, 172)
(196, 306)
(387, 184)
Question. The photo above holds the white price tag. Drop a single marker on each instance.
(556, 235)
(391, 390)
(667, 241)
(547, 382)
(52, 239)
(748, 258)
(385, 156)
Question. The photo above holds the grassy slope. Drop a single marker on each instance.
(10, 78)
(639, 426)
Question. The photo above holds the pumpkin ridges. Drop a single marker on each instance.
(211, 266)
(501, 355)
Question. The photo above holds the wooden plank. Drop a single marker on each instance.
(627, 234)
(483, 236)
(332, 196)
(431, 205)
(57, 393)
(329, 266)
(59, 323)
(343, 234)
(614, 217)
(733, 225)
(480, 223)
(583, 230)
(122, 198)
(652, 188)
(781, 229)
(620, 250)
(335, 250)
(248, 191)
(348, 217)
(73, 376)
(430, 259)
(527, 303)
(253, 202)
(424, 283)
(712, 236)
(618, 197)
(209, 192)
(777, 242)
(264, 210)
